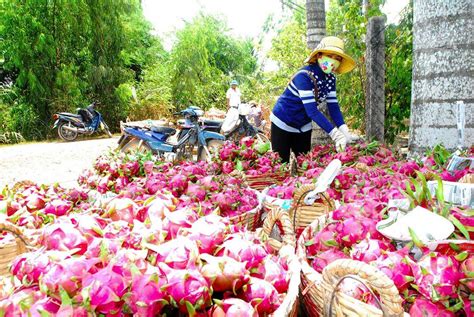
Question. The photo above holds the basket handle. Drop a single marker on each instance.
(278, 214)
(374, 279)
(17, 232)
(300, 194)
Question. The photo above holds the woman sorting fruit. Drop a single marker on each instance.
(308, 88)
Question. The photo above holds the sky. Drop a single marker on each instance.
(245, 18)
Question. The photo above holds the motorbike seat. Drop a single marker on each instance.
(212, 123)
(164, 130)
(67, 114)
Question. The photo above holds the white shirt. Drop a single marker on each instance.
(233, 96)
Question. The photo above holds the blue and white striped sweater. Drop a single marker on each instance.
(297, 106)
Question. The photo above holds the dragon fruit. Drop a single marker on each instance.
(122, 209)
(224, 273)
(397, 266)
(67, 274)
(437, 276)
(177, 253)
(369, 250)
(233, 307)
(103, 291)
(423, 308)
(273, 271)
(466, 217)
(63, 236)
(209, 232)
(261, 294)
(241, 249)
(145, 296)
(322, 259)
(467, 267)
(188, 289)
(181, 218)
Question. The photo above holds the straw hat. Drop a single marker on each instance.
(333, 45)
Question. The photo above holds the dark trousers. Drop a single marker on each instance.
(283, 142)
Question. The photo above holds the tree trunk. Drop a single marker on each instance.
(316, 30)
(443, 69)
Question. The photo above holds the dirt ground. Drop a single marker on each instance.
(50, 162)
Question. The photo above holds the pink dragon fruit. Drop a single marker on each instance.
(369, 250)
(58, 207)
(437, 276)
(224, 273)
(241, 249)
(178, 184)
(261, 295)
(209, 232)
(67, 274)
(397, 266)
(467, 267)
(188, 289)
(466, 217)
(35, 202)
(104, 290)
(232, 307)
(273, 271)
(145, 296)
(322, 259)
(122, 209)
(181, 218)
(422, 307)
(63, 236)
(177, 253)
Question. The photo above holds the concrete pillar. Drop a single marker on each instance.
(375, 71)
(443, 69)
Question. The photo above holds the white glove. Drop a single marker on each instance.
(351, 138)
(339, 139)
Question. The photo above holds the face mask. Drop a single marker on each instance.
(327, 64)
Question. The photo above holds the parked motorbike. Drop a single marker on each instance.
(156, 139)
(236, 125)
(86, 121)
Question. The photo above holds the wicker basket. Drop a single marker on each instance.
(467, 179)
(251, 219)
(311, 280)
(319, 291)
(260, 182)
(10, 250)
(339, 304)
(303, 215)
(286, 248)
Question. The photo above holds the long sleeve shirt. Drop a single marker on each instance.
(297, 106)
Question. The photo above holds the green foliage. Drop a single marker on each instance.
(345, 20)
(399, 47)
(62, 55)
(204, 60)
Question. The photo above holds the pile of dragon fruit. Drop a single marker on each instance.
(251, 157)
(124, 259)
(144, 237)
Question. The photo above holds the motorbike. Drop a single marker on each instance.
(236, 125)
(156, 139)
(87, 121)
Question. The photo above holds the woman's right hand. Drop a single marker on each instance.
(339, 139)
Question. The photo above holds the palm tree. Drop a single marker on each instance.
(442, 73)
(316, 30)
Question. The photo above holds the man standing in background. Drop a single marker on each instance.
(233, 95)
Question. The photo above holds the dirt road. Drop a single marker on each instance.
(50, 162)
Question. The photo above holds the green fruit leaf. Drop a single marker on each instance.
(461, 256)
(239, 166)
(415, 238)
(459, 226)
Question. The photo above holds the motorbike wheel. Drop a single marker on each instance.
(134, 146)
(65, 134)
(106, 129)
(213, 146)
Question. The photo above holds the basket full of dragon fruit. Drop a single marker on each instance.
(254, 162)
(349, 268)
(94, 265)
